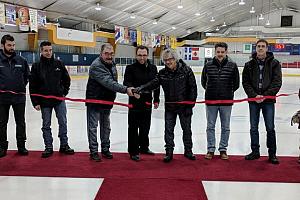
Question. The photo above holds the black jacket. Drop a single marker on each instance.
(220, 80)
(137, 75)
(103, 83)
(48, 77)
(272, 77)
(14, 74)
(178, 85)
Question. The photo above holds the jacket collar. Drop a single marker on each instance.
(218, 63)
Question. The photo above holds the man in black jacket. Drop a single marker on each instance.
(102, 85)
(220, 79)
(262, 77)
(139, 117)
(49, 76)
(14, 73)
(179, 84)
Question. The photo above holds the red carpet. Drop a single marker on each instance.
(151, 178)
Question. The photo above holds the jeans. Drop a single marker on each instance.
(138, 131)
(211, 116)
(268, 111)
(61, 115)
(19, 113)
(94, 116)
(185, 122)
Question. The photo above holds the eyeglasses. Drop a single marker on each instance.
(108, 54)
(168, 59)
(142, 55)
(260, 46)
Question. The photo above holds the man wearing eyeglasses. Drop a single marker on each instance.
(179, 84)
(139, 117)
(102, 85)
(262, 77)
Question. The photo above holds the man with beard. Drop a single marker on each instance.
(49, 76)
(14, 73)
(139, 117)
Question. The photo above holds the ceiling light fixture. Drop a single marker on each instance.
(212, 19)
(252, 10)
(180, 6)
(197, 14)
(154, 22)
(241, 3)
(261, 17)
(217, 29)
(98, 7)
(189, 31)
(132, 16)
(173, 27)
(268, 23)
(224, 24)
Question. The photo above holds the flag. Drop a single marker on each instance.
(11, 14)
(41, 19)
(195, 53)
(33, 20)
(187, 53)
(23, 16)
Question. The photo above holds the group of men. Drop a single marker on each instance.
(220, 79)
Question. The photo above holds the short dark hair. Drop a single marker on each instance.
(262, 40)
(142, 47)
(45, 43)
(222, 45)
(7, 37)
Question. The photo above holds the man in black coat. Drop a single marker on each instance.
(49, 76)
(262, 76)
(179, 84)
(139, 117)
(14, 73)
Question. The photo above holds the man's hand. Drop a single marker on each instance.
(136, 95)
(129, 91)
(156, 104)
(37, 107)
(261, 100)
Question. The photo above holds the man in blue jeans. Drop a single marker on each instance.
(49, 76)
(220, 79)
(262, 77)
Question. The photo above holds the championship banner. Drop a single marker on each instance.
(157, 40)
(153, 40)
(133, 36)
(118, 35)
(2, 15)
(139, 37)
(41, 19)
(126, 36)
(195, 53)
(33, 20)
(163, 40)
(11, 14)
(23, 16)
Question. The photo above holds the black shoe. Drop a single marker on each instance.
(252, 156)
(148, 152)
(2, 152)
(66, 149)
(273, 159)
(23, 151)
(168, 157)
(107, 154)
(95, 157)
(135, 157)
(190, 155)
(47, 153)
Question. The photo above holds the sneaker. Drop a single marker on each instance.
(107, 154)
(168, 157)
(66, 149)
(147, 152)
(95, 157)
(209, 155)
(47, 153)
(273, 159)
(223, 155)
(23, 151)
(252, 156)
(135, 158)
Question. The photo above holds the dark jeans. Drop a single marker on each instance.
(19, 113)
(61, 115)
(94, 116)
(268, 112)
(138, 131)
(185, 117)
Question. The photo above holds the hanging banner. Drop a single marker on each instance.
(157, 41)
(139, 39)
(153, 40)
(33, 20)
(118, 35)
(2, 15)
(133, 36)
(163, 40)
(126, 36)
(41, 19)
(187, 53)
(11, 14)
(195, 53)
(23, 16)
